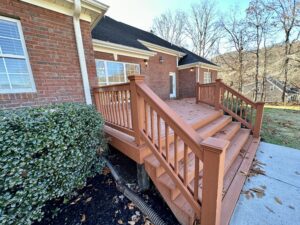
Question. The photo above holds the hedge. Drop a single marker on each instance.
(45, 153)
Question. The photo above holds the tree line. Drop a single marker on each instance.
(207, 32)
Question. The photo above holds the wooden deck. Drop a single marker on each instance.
(196, 155)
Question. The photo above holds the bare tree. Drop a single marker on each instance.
(171, 26)
(258, 19)
(237, 38)
(202, 27)
(287, 15)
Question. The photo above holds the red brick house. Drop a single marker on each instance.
(171, 71)
(55, 51)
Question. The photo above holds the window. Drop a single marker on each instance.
(15, 71)
(110, 72)
(207, 77)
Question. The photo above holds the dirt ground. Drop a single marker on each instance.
(100, 203)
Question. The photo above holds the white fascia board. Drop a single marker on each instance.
(159, 48)
(92, 11)
(94, 5)
(199, 64)
(108, 47)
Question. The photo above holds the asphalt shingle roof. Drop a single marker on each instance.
(117, 32)
(191, 57)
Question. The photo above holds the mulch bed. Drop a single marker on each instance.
(100, 203)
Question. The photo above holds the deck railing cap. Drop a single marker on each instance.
(215, 144)
(136, 77)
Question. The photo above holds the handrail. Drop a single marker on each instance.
(188, 134)
(113, 102)
(155, 113)
(241, 108)
(247, 100)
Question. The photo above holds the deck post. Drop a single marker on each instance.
(213, 174)
(217, 94)
(258, 119)
(137, 107)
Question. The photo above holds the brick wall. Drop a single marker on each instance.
(156, 74)
(51, 46)
(187, 82)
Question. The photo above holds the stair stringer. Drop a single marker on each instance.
(181, 216)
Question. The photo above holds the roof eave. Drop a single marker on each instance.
(112, 48)
(199, 64)
(92, 11)
(159, 48)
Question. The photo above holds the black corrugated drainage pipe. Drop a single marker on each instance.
(145, 209)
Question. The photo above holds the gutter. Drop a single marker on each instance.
(80, 50)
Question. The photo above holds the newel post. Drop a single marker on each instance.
(217, 94)
(213, 174)
(137, 107)
(258, 119)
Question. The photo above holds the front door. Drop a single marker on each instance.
(172, 85)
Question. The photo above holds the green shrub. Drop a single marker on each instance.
(45, 153)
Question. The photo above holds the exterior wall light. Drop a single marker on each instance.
(146, 62)
(192, 69)
(161, 60)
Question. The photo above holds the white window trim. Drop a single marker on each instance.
(26, 57)
(124, 67)
(204, 77)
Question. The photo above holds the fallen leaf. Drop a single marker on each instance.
(263, 187)
(291, 207)
(130, 206)
(88, 199)
(269, 209)
(278, 200)
(131, 222)
(105, 171)
(120, 221)
(83, 218)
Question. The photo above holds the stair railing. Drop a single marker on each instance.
(244, 110)
(153, 120)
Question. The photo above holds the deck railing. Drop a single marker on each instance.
(113, 101)
(221, 96)
(152, 123)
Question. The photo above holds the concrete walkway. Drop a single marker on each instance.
(273, 198)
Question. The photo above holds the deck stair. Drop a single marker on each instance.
(221, 127)
(196, 159)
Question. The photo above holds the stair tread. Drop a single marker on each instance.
(213, 127)
(206, 120)
(228, 132)
(235, 147)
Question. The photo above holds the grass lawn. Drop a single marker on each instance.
(281, 125)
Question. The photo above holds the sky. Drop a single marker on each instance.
(140, 13)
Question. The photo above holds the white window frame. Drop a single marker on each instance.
(124, 68)
(205, 79)
(26, 57)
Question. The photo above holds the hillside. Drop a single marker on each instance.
(274, 65)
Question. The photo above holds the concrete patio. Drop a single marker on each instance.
(279, 204)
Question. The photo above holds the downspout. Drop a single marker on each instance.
(80, 50)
